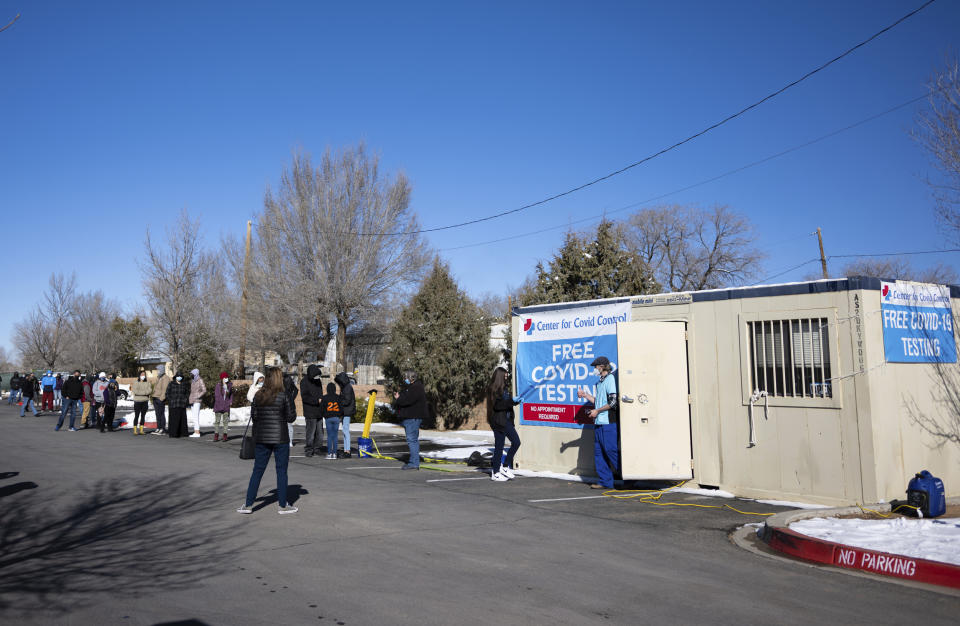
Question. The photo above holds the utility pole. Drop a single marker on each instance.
(823, 259)
(243, 305)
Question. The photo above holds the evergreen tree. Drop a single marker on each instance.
(590, 269)
(444, 337)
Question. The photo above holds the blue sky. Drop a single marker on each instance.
(117, 115)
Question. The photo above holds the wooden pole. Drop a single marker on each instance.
(243, 306)
(823, 259)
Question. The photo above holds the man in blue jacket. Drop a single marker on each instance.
(47, 383)
(606, 431)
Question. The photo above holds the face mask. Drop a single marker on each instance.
(596, 371)
(406, 381)
(226, 380)
(143, 376)
(179, 379)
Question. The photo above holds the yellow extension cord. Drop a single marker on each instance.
(651, 496)
(892, 511)
(648, 496)
(425, 463)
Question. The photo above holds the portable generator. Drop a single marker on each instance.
(925, 492)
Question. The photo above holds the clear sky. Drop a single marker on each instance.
(118, 114)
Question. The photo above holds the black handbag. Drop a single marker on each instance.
(246, 444)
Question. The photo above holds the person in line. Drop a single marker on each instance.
(110, 397)
(311, 392)
(99, 385)
(141, 391)
(606, 431)
(47, 383)
(58, 392)
(348, 402)
(502, 403)
(197, 389)
(14, 388)
(332, 412)
(290, 387)
(271, 412)
(222, 399)
(72, 391)
(255, 387)
(159, 396)
(177, 399)
(86, 418)
(28, 392)
(411, 406)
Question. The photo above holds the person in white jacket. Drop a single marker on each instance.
(197, 389)
(255, 387)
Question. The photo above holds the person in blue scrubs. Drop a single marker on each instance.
(606, 431)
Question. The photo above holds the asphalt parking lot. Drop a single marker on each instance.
(116, 528)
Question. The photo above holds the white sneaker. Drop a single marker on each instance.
(506, 471)
(284, 510)
(245, 509)
(498, 477)
(195, 435)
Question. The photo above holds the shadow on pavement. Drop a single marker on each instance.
(9, 490)
(121, 536)
(293, 494)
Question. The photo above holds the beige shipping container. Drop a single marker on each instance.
(838, 424)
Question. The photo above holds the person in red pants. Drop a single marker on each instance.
(47, 383)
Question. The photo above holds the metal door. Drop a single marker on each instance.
(654, 412)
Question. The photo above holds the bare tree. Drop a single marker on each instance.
(93, 345)
(171, 273)
(6, 361)
(938, 131)
(690, 248)
(40, 338)
(332, 244)
(899, 268)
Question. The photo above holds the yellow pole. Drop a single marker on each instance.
(371, 402)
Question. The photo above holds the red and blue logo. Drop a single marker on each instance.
(886, 292)
(528, 326)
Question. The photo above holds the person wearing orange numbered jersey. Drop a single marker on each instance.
(332, 412)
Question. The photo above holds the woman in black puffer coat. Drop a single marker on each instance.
(178, 399)
(271, 411)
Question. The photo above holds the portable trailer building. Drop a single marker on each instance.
(828, 391)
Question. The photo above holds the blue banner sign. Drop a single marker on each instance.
(554, 352)
(917, 323)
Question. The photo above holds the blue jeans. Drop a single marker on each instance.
(345, 425)
(69, 404)
(14, 396)
(281, 456)
(412, 428)
(28, 403)
(509, 432)
(606, 452)
(333, 428)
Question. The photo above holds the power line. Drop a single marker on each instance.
(736, 170)
(671, 147)
(850, 256)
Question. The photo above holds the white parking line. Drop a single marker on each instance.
(374, 467)
(447, 480)
(562, 499)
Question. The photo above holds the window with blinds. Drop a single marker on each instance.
(790, 358)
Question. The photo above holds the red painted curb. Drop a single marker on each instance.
(821, 551)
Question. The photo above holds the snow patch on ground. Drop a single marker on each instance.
(455, 454)
(712, 493)
(794, 505)
(932, 539)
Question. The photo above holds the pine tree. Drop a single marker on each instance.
(443, 336)
(590, 269)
